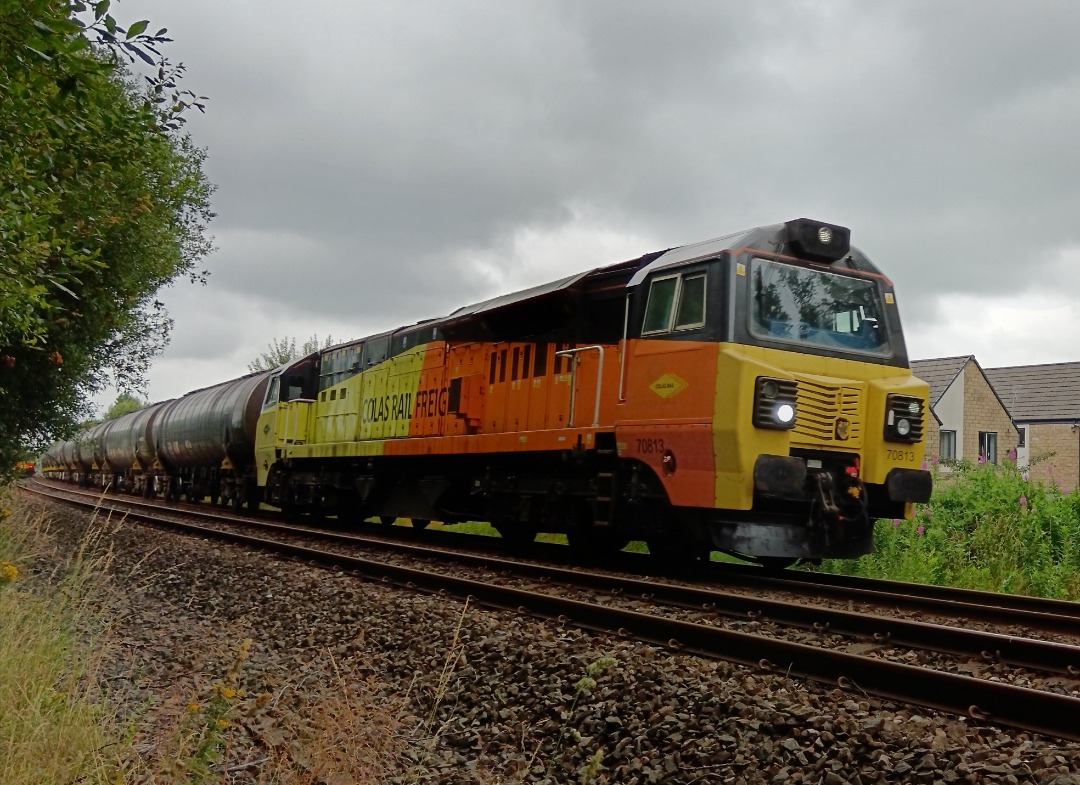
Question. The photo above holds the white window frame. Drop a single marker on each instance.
(952, 444)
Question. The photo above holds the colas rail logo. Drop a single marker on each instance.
(669, 385)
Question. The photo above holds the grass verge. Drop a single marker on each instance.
(986, 527)
(51, 729)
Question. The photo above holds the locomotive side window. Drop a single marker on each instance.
(676, 302)
(661, 304)
(691, 311)
(272, 391)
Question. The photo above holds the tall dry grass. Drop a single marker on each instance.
(51, 728)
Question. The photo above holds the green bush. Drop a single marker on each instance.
(986, 527)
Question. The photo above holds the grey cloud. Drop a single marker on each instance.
(396, 139)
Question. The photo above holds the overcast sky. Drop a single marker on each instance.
(383, 162)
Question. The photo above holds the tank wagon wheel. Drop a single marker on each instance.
(420, 523)
(387, 520)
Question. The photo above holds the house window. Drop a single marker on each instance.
(1021, 436)
(948, 446)
(988, 446)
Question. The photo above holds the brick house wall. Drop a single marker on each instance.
(1063, 467)
(966, 404)
(932, 437)
(983, 412)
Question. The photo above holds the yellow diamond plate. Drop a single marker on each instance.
(668, 385)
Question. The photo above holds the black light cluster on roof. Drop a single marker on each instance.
(818, 240)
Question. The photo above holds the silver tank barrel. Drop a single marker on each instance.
(205, 427)
(90, 445)
(129, 439)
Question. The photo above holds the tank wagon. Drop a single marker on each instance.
(204, 442)
(129, 450)
(197, 446)
(748, 394)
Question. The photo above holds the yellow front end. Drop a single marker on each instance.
(840, 409)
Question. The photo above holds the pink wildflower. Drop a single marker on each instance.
(924, 464)
(936, 460)
(895, 521)
(982, 459)
(1023, 500)
(921, 529)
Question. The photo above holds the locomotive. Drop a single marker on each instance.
(749, 394)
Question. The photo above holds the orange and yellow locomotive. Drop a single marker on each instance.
(748, 394)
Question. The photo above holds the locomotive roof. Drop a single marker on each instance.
(686, 253)
(561, 302)
(762, 237)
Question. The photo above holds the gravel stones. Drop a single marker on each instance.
(344, 673)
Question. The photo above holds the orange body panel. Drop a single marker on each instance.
(670, 390)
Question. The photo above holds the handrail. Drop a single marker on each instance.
(573, 374)
(622, 351)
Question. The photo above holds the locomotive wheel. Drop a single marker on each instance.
(387, 520)
(775, 562)
(596, 542)
(420, 523)
(517, 536)
(668, 552)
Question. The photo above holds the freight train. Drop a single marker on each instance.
(748, 394)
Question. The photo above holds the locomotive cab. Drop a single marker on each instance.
(810, 425)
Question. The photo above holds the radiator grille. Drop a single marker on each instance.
(821, 406)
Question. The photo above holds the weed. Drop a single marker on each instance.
(986, 527)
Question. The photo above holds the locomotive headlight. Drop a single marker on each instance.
(775, 402)
(903, 418)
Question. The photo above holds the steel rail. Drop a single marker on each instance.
(879, 588)
(984, 701)
(1013, 650)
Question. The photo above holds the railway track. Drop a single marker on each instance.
(699, 619)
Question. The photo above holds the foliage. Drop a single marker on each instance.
(986, 527)
(125, 403)
(102, 201)
(283, 350)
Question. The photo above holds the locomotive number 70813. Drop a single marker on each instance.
(650, 446)
(901, 455)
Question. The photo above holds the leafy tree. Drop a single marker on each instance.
(125, 403)
(102, 201)
(282, 350)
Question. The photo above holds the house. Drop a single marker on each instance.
(1044, 401)
(970, 420)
